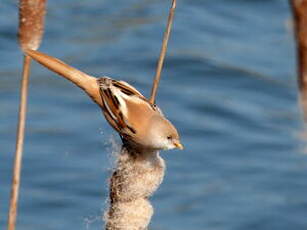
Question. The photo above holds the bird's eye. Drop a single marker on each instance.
(169, 137)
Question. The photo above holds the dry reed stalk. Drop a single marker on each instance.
(163, 52)
(299, 9)
(31, 26)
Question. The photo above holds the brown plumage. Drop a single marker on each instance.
(134, 117)
(136, 120)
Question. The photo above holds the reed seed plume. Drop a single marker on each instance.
(136, 176)
(299, 9)
(163, 52)
(31, 27)
(31, 23)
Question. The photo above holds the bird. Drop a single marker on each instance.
(138, 122)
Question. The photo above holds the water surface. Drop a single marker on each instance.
(228, 85)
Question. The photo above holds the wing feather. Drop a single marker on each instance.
(114, 105)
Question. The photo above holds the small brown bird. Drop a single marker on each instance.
(125, 108)
(135, 118)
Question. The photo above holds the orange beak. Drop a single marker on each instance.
(178, 145)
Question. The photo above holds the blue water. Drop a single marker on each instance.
(228, 85)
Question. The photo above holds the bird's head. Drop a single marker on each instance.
(163, 135)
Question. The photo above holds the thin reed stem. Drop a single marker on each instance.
(19, 143)
(299, 10)
(31, 28)
(162, 53)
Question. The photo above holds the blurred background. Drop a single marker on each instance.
(229, 86)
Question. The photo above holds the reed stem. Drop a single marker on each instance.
(19, 143)
(162, 53)
(299, 9)
(31, 28)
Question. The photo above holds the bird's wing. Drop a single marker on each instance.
(114, 104)
(127, 89)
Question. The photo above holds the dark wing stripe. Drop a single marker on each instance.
(107, 106)
(112, 104)
(121, 120)
(112, 97)
(125, 89)
(131, 129)
(129, 93)
(120, 114)
(117, 101)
